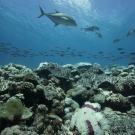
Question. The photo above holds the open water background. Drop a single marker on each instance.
(20, 26)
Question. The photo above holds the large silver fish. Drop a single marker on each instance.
(59, 18)
(131, 32)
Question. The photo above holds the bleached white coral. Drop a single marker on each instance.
(98, 124)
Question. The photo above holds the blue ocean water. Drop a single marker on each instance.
(29, 40)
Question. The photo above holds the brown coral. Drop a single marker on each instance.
(27, 88)
(30, 77)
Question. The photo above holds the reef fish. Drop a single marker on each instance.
(131, 32)
(117, 40)
(59, 18)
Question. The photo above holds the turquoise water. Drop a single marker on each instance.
(29, 40)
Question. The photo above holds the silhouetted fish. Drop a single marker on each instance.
(117, 40)
(131, 32)
(99, 35)
(132, 53)
(100, 52)
(94, 27)
(120, 48)
(88, 29)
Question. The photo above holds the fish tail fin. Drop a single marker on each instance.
(42, 12)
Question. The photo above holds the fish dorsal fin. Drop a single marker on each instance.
(56, 11)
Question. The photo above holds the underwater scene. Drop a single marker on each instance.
(67, 67)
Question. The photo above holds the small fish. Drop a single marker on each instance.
(117, 40)
(59, 18)
(120, 48)
(94, 27)
(132, 53)
(88, 29)
(99, 35)
(131, 32)
(122, 52)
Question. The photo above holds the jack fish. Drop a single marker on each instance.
(59, 18)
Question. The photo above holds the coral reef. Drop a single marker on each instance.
(16, 130)
(47, 100)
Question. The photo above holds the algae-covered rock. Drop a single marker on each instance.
(11, 108)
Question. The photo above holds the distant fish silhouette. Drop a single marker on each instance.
(122, 52)
(59, 18)
(120, 48)
(99, 35)
(133, 53)
(131, 32)
(90, 28)
(117, 40)
(94, 27)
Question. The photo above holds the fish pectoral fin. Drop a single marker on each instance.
(56, 24)
(56, 11)
(65, 18)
